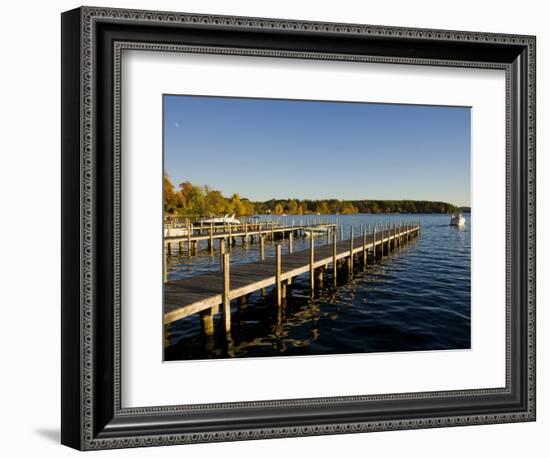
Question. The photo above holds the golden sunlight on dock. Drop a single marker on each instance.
(207, 294)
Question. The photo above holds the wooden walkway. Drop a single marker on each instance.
(205, 293)
(246, 231)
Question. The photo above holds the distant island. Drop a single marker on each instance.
(193, 200)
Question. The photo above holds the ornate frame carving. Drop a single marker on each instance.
(101, 419)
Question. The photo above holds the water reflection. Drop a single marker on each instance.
(416, 298)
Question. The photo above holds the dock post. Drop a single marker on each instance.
(334, 261)
(311, 262)
(272, 231)
(278, 274)
(381, 240)
(328, 235)
(394, 236)
(211, 239)
(291, 243)
(226, 304)
(262, 247)
(230, 239)
(207, 321)
(165, 256)
(374, 242)
(341, 232)
(399, 232)
(222, 251)
(350, 261)
(246, 232)
(364, 249)
(189, 231)
(319, 275)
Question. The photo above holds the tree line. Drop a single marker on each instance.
(194, 200)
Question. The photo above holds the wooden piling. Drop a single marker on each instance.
(278, 274)
(165, 256)
(364, 249)
(311, 262)
(262, 247)
(374, 242)
(350, 260)
(222, 251)
(319, 276)
(291, 242)
(211, 240)
(341, 232)
(334, 261)
(226, 303)
(207, 321)
(381, 240)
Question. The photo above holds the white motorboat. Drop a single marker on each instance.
(316, 231)
(457, 219)
(226, 219)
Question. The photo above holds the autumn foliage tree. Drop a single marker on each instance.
(193, 200)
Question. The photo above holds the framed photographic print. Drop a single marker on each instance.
(279, 228)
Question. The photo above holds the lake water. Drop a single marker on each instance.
(417, 298)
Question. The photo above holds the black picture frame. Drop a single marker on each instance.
(92, 415)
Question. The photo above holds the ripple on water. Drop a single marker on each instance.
(418, 298)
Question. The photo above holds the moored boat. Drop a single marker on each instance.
(316, 231)
(457, 219)
(226, 219)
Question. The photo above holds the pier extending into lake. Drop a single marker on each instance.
(207, 294)
(226, 234)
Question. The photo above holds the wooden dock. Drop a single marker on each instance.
(247, 231)
(205, 294)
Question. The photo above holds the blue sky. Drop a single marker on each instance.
(268, 148)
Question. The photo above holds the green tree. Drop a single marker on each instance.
(293, 207)
(215, 203)
(322, 207)
(279, 209)
(237, 206)
(196, 201)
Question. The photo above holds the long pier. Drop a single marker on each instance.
(247, 231)
(206, 294)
